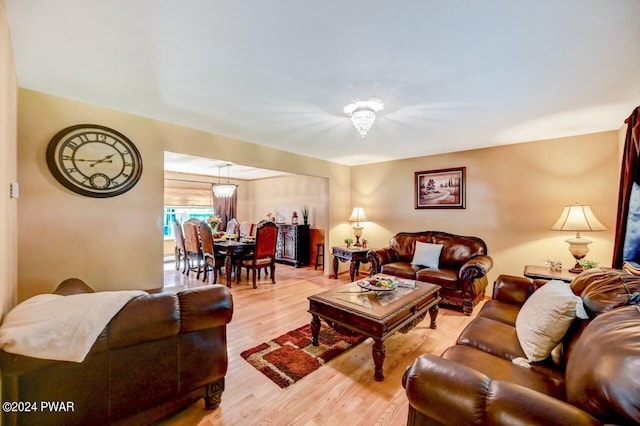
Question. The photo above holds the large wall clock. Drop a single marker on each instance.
(94, 160)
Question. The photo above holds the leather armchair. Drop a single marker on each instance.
(161, 352)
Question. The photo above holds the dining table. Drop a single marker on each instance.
(231, 249)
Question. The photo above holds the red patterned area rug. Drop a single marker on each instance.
(290, 357)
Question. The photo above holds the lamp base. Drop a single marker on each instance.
(576, 269)
(579, 249)
(357, 232)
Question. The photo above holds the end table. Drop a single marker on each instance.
(355, 255)
(542, 272)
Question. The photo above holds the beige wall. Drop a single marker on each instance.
(8, 169)
(285, 194)
(515, 194)
(117, 243)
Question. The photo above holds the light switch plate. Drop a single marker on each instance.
(14, 190)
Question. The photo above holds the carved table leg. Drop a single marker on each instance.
(433, 313)
(335, 267)
(315, 329)
(378, 354)
(354, 268)
(227, 268)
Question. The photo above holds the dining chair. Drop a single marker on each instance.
(264, 253)
(247, 228)
(192, 246)
(232, 226)
(211, 260)
(180, 251)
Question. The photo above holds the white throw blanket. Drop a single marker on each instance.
(63, 328)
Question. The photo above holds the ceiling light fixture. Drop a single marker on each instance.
(363, 114)
(223, 190)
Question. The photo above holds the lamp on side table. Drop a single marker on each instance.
(357, 216)
(578, 218)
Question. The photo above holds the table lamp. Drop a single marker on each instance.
(357, 215)
(578, 217)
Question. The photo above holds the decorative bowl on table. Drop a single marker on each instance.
(377, 284)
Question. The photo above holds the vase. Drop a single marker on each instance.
(214, 227)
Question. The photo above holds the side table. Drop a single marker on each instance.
(542, 272)
(355, 255)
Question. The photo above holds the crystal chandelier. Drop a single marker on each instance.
(223, 190)
(363, 114)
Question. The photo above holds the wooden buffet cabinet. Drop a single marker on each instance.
(293, 244)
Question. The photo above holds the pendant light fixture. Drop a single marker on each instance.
(223, 190)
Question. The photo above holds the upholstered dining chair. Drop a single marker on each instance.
(211, 260)
(247, 228)
(180, 251)
(232, 226)
(192, 247)
(264, 253)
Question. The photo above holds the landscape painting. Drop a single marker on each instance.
(440, 189)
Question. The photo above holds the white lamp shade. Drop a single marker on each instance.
(357, 215)
(578, 217)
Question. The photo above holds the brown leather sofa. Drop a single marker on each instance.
(595, 381)
(462, 271)
(159, 353)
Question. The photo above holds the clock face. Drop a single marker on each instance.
(94, 160)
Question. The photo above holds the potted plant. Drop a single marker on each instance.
(587, 264)
(305, 214)
(348, 242)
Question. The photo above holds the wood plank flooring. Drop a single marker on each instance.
(342, 392)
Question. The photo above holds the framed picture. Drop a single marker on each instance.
(440, 189)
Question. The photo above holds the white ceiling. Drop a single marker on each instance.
(182, 163)
(453, 75)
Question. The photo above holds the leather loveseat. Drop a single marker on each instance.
(159, 353)
(461, 271)
(594, 381)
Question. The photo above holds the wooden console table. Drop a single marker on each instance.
(355, 255)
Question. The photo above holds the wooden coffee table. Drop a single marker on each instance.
(349, 309)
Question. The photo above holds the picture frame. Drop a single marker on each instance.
(440, 189)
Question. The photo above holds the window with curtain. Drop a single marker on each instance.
(184, 200)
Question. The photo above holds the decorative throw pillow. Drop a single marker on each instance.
(427, 255)
(545, 317)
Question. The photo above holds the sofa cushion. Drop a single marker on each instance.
(145, 319)
(444, 277)
(602, 372)
(426, 255)
(497, 310)
(602, 290)
(457, 250)
(545, 317)
(493, 337)
(404, 243)
(549, 383)
(400, 269)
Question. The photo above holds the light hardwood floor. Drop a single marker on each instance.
(342, 392)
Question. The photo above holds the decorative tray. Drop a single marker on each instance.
(377, 284)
